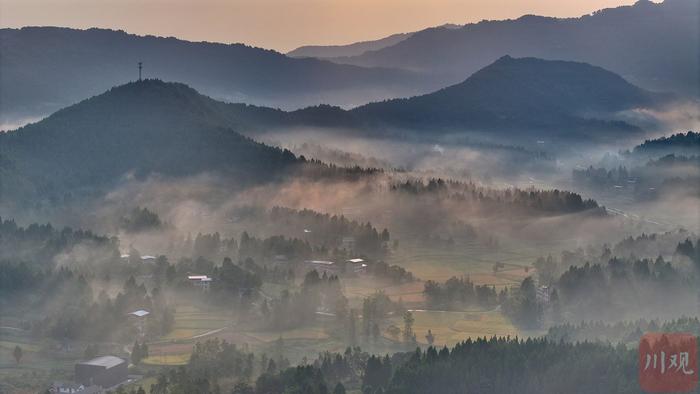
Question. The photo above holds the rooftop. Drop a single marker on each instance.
(140, 313)
(320, 262)
(104, 361)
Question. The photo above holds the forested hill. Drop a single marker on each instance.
(139, 128)
(681, 144)
(522, 94)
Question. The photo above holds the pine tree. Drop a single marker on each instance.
(339, 389)
(430, 338)
(18, 353)
(408, 321)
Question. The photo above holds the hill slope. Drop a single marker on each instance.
(46, 68)
(655, 46)
(354, 49)
(168, 128)
(139, 128)
(517, 94)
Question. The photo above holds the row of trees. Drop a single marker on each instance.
(458, 293)
(493, 365)
(524, 201)
(39, 244)
(622, 331)
(81, 316)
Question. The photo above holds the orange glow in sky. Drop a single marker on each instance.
(279, 24)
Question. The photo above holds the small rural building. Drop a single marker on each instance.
(357, 266)
(329, 267)
(201, 281)
(139, 317)
(543, 294)
(73, 388)
(104, 371)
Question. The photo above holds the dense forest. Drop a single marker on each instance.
(521, 94)
(39, 244)
(148, 127)
(495, 200)
(680, 143)
(623, 331)
(485, 365)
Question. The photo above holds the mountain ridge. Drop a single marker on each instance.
(352, 49)
(668, 60)
(46, 68)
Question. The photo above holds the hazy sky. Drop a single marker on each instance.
(279, 24)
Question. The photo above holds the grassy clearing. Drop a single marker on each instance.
(360, 288)
(298, 333)
(472, 259)
(26, 347)
(182, 333)
(167, 359)
(449, 328)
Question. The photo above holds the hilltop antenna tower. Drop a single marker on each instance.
(140, 67)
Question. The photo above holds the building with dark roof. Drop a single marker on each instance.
(104, 371)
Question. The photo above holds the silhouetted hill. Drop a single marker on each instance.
(46, 68)
(655, 46)
(137, 129)
(354, 49)
(151, 126)
(517, 94)
(676, 144)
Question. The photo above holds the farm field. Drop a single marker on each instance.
(471, 259)
(450, 327)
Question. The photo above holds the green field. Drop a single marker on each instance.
(449, 327)
(471, 259)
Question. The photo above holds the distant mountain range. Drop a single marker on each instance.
(46, 68)
(358, 48)
(653, 45)
(151, 126)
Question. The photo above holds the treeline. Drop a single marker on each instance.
(329, 231)
(39, 244)
(644, 246)
(692, 252)
(79, 316)
(458, 293)
(319, 293)
(508, 365)
(300, 234)
(625, 287)
(268, 248)
(396, 274)
(140, 219)
(519, 303)
(232, 284)
(668, 174)
(688, 142)
(623, 331)
(493, 365)
(530, 200)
